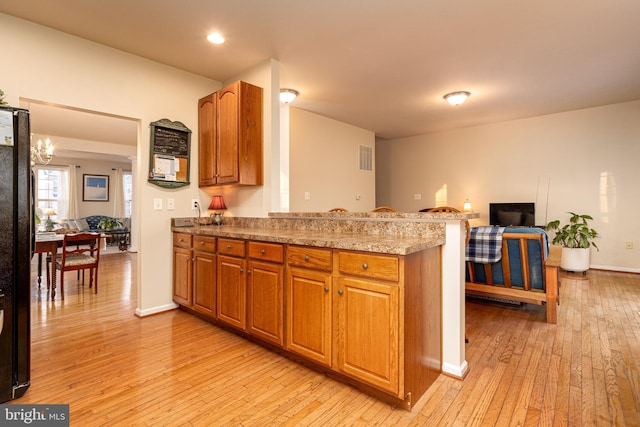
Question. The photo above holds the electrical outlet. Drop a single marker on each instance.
(629, 245)
(417, 196)
(195, 204)
(307, 195)
(171, 204)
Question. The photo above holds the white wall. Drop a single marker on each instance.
(51, 66)
(585, 161)
(94, 167)
(323, 161)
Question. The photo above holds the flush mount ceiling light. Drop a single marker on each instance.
(215, 38)
(288, 95)
(457, 98)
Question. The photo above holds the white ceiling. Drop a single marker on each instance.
(62, 121)
(384, 65)
(70, 128)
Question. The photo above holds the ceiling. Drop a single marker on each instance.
(71, 128)
(381, 65)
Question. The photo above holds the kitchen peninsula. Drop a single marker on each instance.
(356, 296)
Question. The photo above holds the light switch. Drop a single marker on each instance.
(157, 204)
(171, 204)
(307, 195)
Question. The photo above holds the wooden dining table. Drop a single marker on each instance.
(49, 244)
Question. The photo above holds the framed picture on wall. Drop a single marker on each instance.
(95, 188)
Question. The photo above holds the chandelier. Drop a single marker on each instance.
(40, 154)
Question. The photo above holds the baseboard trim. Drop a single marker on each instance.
(155, 310)
(613, 268)
(455, 371)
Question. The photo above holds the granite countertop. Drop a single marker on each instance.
(379, 236)
(376, 216)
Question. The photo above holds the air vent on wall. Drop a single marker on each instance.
(366, 154)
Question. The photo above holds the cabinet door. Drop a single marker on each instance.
(231, 291)
(207, 140)
(227, 134)
(264, 301)
(204, 283)
(182, 271)
(309, 314)
(368, 342)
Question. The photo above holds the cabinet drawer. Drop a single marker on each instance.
(231, 247)
(316, 258)
(369, 265)
(205, 244)
(182, 240)
(273, 252)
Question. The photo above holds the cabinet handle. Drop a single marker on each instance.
(262, 251)
(201, 242)
(228, 246)
(326, 289)
(340, 292)
(306, 257)
(241, 270)
(180, 240)
(248, 271)
(365, 266)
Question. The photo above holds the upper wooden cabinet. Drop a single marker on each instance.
(230, 135)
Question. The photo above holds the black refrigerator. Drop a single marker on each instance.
(16, 243)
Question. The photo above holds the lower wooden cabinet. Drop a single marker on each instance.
(370, 319)
(204, 283)
(265, 301)
(182, 273)
(309, 308)
(309, 314)
(232, 291)
(194, 272)
(368, 340)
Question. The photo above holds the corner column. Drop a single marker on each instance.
(453, 301)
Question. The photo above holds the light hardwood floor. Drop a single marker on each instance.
(115, 369)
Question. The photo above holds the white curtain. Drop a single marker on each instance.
(118, 205)
(72, 206)
(63, 196)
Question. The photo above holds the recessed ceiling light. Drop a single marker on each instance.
(457, 98)
(215, 38)
(288, 95)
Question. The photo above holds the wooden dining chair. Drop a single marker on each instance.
(384, 209)
(80, 251)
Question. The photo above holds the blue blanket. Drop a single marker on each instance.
(485, 245)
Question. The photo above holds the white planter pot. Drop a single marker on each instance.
(575, 259)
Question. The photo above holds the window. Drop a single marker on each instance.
(127, 183)
(51, 188)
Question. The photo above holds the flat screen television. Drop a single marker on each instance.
(512, 214)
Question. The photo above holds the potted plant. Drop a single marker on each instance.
(576, 239)
(109, 223)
